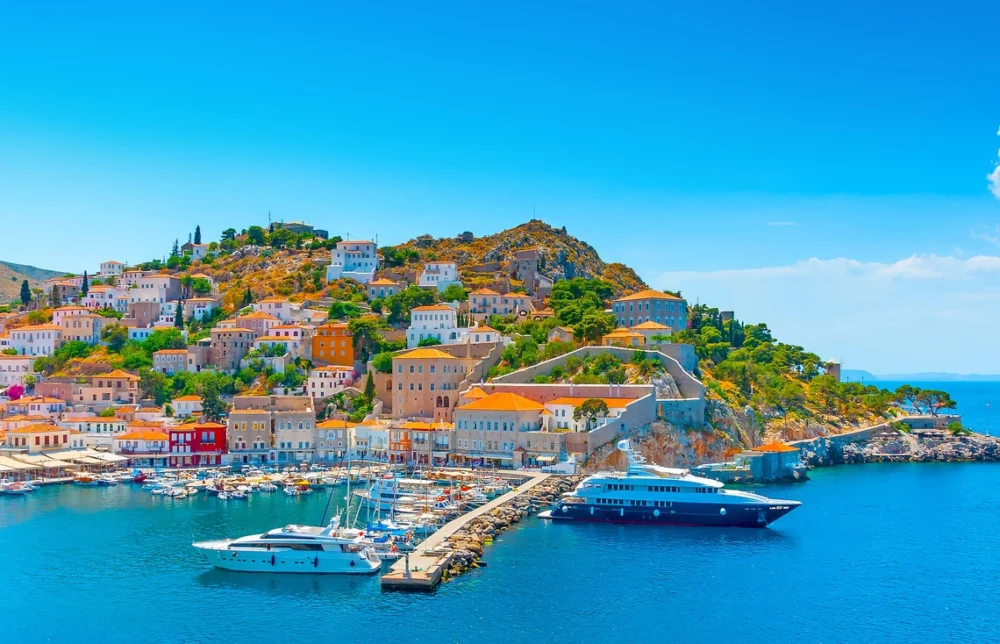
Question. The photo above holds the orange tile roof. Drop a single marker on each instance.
(272, 300)
(433, 307)
(170, 352)
(380, 281)
(248, 411)
(484, 291)
(145, 423)
(576, 401)
(117, 373)
(649, 294)
(483, 329)
(208, 425)
(776, 446)
(71, 307)
(424, 425)
(36, 429)
(622, 332)
(257, 315)
(272, 338)
(335, 423)
(331, 368)
(503, 402)
(475, 393)
(23, 417)
(289, 326)
(143, 436)
(188, 398)
(43, 399)
(200, 299)
(650, 326)
(39, 327)
(4, 356)
(231, 329)
(426, 353)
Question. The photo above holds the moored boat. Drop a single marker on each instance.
(648, 493)
(295, 549)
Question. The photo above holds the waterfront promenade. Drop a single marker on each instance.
(423, 568)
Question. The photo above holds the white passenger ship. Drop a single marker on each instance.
(295, 549)
(659, 495)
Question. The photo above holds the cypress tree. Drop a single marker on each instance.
(176, 250)
(25, 293)
(179, 315)
(85, 286)
(370, 387)
(197, 234)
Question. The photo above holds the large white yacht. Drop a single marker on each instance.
(295, 548)
(388, 493)
(648, 493)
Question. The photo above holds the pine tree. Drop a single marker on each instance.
(176, 250)
(85, 286)
(179, 315)
(25, 293)
(370, 388)
(197, 234)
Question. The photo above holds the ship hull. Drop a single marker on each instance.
(679, 514)
(287, 561)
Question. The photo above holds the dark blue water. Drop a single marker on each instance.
(877, 553)
(978, 402)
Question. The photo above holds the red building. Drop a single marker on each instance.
(197, 444)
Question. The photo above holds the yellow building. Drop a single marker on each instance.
(622, 337)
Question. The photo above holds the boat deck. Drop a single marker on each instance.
(430, 559)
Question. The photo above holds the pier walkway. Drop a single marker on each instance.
(428, 561)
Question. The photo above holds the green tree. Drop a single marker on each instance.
(932, 400)
(454, 293)
(25, 293)
(381, 362)
(591, 409)
(114, 336)
(344, 310)
(85, 285)
(593, 326)
(201, 286)
(197, 234)
(256, 236)
(54, 300)
(179, 315)
(175, 250)
(211, 403)
(366, 336)
(229, 234)
(429, 342)
(370, 387)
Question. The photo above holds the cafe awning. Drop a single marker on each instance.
(546, 459)
(43, 461)
(14, 464)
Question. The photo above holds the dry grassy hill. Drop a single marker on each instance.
(563, 256)
(11, 276)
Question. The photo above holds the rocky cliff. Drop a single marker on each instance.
(903, 447)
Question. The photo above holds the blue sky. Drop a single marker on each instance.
(820, 166)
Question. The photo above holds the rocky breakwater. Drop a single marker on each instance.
(900, 447)
(467, 544)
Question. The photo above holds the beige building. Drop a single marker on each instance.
(14, 369)
(258, 322)
(229, 345)
(486, 302)
(651, 306)
(42, 437)
(293, 436)
(506, 430)
(170, 361)
(249, 434)
(83, 328)
(425, 383)
(332, 439)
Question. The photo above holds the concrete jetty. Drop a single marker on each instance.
(423, 568)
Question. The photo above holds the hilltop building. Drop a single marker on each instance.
(357, 260)
(651, 306)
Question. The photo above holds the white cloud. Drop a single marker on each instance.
(920, 313)
(994, 177)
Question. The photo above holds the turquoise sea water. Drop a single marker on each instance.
(877, 553)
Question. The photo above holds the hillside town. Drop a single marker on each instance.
(174, 364)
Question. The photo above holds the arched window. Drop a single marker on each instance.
(446, 402)
(439, 401)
